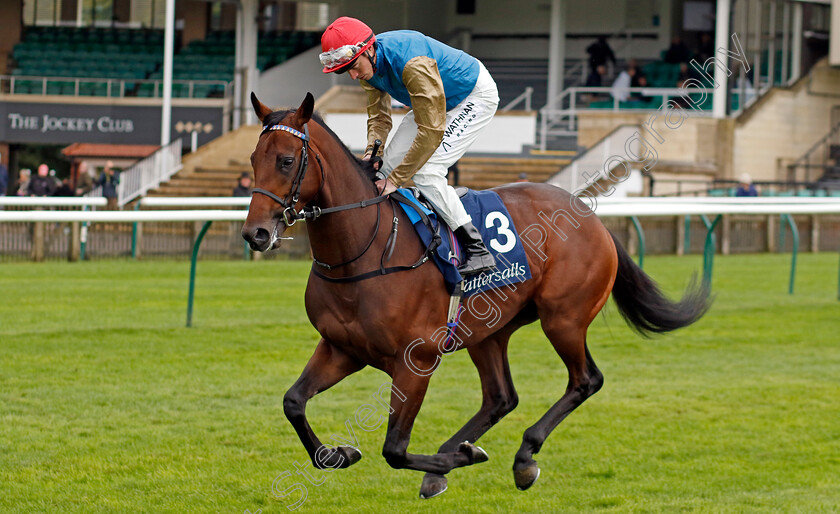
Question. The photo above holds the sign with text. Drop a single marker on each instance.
(51, 123)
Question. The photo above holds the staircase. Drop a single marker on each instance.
(214, 169)
(821, 163)
(487, 172)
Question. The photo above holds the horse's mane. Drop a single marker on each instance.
(361, 166)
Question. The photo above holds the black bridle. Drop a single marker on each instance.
(290, 216)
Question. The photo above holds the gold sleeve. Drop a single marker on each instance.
(379, 115)
(428, 102)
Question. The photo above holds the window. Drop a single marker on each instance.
(41, 12)
(97, 12)
(312, 16)
(148, 13)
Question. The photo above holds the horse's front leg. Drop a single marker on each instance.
(406, 399)
(327, 367)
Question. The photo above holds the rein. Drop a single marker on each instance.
(290, 216)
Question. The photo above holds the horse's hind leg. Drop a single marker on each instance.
(498, 398)
(327, 366)
(406, 399)
(584, 380)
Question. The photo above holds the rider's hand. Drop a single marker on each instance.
(385, 186)
(376, 163)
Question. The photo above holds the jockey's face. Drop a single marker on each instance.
(362, 69)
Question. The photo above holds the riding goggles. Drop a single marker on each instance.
(338, 57)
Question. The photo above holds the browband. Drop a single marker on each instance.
(285, 128)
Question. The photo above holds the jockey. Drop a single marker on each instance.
(452, 97)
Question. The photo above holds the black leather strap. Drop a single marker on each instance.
(432, 246)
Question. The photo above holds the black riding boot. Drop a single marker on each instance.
(477, 258)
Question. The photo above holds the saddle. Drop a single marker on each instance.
(491, 217)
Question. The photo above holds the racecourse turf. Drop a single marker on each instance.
(109, 404)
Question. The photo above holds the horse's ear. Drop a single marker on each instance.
(304, 112)
(261, 110)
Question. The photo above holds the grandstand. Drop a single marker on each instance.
(59, 54)
(120, 62)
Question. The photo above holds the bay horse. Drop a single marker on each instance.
(368, 316)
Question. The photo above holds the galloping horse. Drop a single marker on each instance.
(388, 320)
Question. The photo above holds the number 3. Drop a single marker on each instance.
(503, 229)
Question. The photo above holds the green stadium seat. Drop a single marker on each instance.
(146, 89)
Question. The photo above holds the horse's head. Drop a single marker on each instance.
(281, 180)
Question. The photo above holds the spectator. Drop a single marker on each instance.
(706, 48)
(678, 52)
(109, 180)
(599, 53)
(639, 80)
(596, 76)
(65, 189)
(744, 83)
(621, 86)
(745, 186)
(4, 177)
(683, 75)
(243, 189)
(56, 181)
(84, 179)
(41, 184)
(23, 182)
(523, 177)
(455, 173)
(634, 64)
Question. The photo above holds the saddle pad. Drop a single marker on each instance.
(491, 218)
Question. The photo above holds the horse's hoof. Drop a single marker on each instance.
(351, 456)
(433, 485)
(475, 453)
(526, 477)
(342, 457)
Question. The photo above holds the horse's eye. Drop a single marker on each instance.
(285, 162)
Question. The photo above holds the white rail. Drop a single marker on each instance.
(711, 208)
(745, 200)
(604, 208)
(51, 201)
(195, 201)
(123, 216)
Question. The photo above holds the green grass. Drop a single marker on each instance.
(108, 404)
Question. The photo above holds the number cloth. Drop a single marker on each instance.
(492, 219)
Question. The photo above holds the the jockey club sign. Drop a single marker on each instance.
(47, 123)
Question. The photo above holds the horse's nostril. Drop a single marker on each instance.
(258, 239)
(261, 236)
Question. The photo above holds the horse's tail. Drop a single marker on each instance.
(645, 308)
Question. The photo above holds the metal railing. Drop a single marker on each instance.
(113, 88)
(822, 160)
(524, 97)
(562, 120)
(597, 162)
(146, 174)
